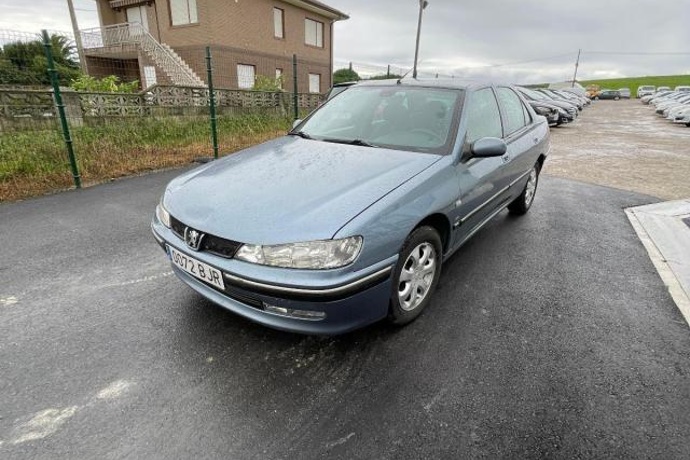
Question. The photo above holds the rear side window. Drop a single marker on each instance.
(513, 110)
(483, 116)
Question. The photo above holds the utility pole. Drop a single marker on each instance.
(577, 64)
(77, 36)
(422, 5)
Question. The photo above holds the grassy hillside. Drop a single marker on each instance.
(634, 82)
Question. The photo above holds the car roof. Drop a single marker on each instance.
(450, 83)
(344, 83)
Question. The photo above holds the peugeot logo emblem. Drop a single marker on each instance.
(193, 238)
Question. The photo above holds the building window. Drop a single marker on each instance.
(313, 33)
(183, 12)
(314, 83)
(279, 77)
(245, 76)
(278, 23)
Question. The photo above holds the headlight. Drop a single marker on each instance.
(162, 214)
(314, 255)
(546, 111)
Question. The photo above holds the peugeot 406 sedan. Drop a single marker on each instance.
(347, 219)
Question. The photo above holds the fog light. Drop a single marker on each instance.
(290, 313)
(276, 310)
(308, 314)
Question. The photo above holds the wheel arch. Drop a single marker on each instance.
(441, 224)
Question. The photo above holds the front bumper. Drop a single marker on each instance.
(347, 303)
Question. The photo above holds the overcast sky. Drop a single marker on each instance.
(466, 38)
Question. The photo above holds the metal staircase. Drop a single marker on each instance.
(110, 39)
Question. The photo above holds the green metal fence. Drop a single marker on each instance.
(60, 129)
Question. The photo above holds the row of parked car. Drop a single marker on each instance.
(672, 105)
(651, 90)
(559, 106)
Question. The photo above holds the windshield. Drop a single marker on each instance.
(534, 95)
(398, 117)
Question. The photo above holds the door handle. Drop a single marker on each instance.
(536, 140)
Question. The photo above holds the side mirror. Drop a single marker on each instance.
(489, 147)
(296, 123)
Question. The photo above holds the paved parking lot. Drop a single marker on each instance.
(549, 336)
(624, 144)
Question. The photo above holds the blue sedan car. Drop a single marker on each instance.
(347, 219)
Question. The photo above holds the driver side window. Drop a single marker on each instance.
(483, 116)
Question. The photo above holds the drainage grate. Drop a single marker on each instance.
(687, 221)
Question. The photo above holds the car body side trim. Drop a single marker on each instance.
(496, 195)
(307, 292)
(522, 176)
(476, 229)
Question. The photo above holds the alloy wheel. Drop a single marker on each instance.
(417, 276)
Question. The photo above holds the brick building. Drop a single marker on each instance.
(164, 41)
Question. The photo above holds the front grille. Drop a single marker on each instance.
(245, 299)
(211, 243)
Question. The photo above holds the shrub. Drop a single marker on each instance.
(109, 84)
(264, 83)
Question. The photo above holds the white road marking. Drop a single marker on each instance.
(47, 422)
(7, 301)
(435, 399)
(114, 390)
(43, 424)
(142, 280)
(340, 441)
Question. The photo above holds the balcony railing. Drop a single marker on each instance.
(113, 35)
(134, 34)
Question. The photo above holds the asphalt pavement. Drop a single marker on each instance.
(550, 335)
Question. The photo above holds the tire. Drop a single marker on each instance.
(416, 275)
(616, 98)
(522, 203)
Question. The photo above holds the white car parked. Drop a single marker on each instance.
(645, 90)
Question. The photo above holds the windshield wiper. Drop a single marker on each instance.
(360, 142)
(301, 134)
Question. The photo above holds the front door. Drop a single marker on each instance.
(480, 181)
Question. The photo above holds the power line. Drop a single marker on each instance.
(641, 53)
(571, 54)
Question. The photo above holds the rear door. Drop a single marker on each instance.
(521, 135)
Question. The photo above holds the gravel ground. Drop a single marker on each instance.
(625, 145)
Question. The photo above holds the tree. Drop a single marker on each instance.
(385, 76)
(344, 75)
(25, 63)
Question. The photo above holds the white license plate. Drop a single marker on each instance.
(197, 268)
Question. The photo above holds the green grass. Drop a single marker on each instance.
(633, 83)
(35, 162)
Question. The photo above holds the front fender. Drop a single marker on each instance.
(386, 224)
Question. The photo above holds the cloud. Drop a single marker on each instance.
(478, 39)
(458, 38)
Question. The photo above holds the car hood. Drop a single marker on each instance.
(563, 104)
(289, 189)
(543, 104)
